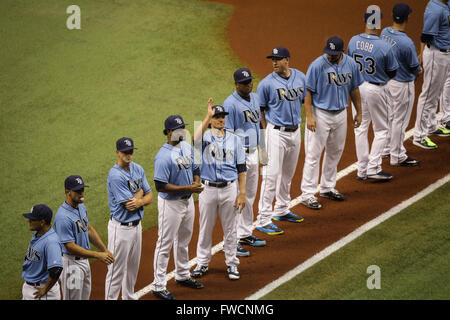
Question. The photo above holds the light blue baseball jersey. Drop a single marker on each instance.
(220, 157)
(243, 118)
(122, 185)
(436, 22)
(331, 84)
(175, 165)
(374, 57)
(72, 225)
(44, 253)
(404, 51)
(283, 98)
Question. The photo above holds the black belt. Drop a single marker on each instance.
(185, 197)
(75, 257)
(377, 84)
(441, 50)
(129, 224)
(287, 129)
(34, 284)
(221, 184)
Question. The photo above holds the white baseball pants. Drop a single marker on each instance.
(125, 242)
(374, 101)
(244, 221)
(283, 149)
(331, 131)
(445, 101)
(436, 68)
(400, 102)
(212, 200)
(75, 278)
(175, 226)
(28, 292)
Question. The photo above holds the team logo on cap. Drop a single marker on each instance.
(275, 51)
(332, 46)
(178, 120)
(245, 73)
(128, 143)
(219, 109)
(79, 181)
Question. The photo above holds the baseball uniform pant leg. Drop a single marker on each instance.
(208, 207)
(244, 220)
(125, 243)
(227, 212)
(435, 64)
(181, 244)
(291, 148)
(445, 100)
(28, 292)
(75, 278)
(361, 133)
(390, 116)
(314, 145)
(402, 100)
(270, 175)
(333, 149)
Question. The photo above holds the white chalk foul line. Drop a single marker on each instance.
(347, 239)
(218, 247)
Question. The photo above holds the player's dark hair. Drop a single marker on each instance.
(165, 132)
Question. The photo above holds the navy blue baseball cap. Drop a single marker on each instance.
(219, 110)
(335, 46)
(125, 144)
(174, 122)
(39, 212)
(401, 11)
(242, 74)
(279, 52)
(74, 182)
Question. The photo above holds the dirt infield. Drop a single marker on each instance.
(302, 26)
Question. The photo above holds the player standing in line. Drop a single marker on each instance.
(75, 233)
(177, 176)
(377, 64)
(243, 119)
(128, 193)
(43, 262)
(435, 55)
(281, 95)
(401, 87)
(222, 162)
(445, 103)
(329, 81)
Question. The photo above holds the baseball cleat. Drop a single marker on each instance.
(442, 132)
(190, 283)
(311, 203)
(164, 294)
(253, 241)
(447, 125)
(425, 143)
(233, 273)
(241, 252)
(408, 162)
(333, 195)
(199, 271)
(290, 216)
(362, 178)
(270, 229)
(380, 176)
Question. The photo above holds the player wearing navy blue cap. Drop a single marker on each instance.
(330, 79)
(222, 163)
(43, 262)
(128, 193)
(75, 232)
(378, 65)
(281, 95)
(435, 55)
(243, 119)
(401, 87)
(176, 178)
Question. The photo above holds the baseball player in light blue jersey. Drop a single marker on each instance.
(75, 233)
(329, 81)
(128, 193)
(222, 163)
(243, 119)
(378, 65)
(177, 176)
(401, 87)
(43, 261)
(435, 55)
(281, 95)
